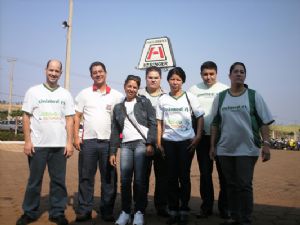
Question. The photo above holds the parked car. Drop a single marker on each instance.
(11, 125)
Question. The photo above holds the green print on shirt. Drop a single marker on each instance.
(206, 95)
(181, 109)
(234, 108)
(179, 124)
(48, 101)
(49, 116)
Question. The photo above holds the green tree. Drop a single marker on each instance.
(16, 114)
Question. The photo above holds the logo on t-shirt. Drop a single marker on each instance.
(108, 107)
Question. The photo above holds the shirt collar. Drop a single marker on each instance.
(107, 90)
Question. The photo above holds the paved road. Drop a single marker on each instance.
(276, 191)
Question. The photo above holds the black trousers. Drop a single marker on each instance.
(161, 183)
(179, 160)
(206, 184)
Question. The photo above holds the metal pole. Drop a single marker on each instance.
(11, 77)
(68, 51)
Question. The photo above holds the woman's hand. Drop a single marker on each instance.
(194, 143)
(149, 150)
(162, 150)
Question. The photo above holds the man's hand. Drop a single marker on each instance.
(212, 153)
(28, 149)
(68, 150)
(77, 142)
(113, 160)
(265, 153)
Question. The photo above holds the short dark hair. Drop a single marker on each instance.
(235, 64)
(209, 65)
(178, 71)
(97, 63)
(48, 63)
(135, 78)
(153, 68)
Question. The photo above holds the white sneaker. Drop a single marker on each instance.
(123, 219)
(138, 218)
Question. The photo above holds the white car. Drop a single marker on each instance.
(10, 125)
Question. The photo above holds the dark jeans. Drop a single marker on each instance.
(238, 171)
(206, 183)
(179, 161)
(133, 163)
(56, 161)
(160, 172)
(95, 152)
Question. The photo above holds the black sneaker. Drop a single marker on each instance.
(172, 219)
(183, 219)
(24, 219)
(230, 222)
(204, 215)
(224, 215)
(108, 218)
(81, 217)
(60, 220)
(162, 212)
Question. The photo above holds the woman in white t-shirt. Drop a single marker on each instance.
(239, 114)
(177, 140)
(135, 119)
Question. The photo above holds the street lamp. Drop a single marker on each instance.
(65, 24)
(11, 78)
(68, 26)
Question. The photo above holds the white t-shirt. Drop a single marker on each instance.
(97, 109)
(129, 132)
(153, 99)
(206, 96)
(176, 116)
(237, 137)
(48, 109)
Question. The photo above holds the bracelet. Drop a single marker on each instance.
(267, 143)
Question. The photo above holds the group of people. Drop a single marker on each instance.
(148, 127)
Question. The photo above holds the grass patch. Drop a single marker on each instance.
(10, 136)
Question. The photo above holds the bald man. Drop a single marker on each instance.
(48, 111)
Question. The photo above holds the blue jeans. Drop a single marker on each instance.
(238, 172)
(179, 161)
(95, 152)
(56, 161)
(133, 162)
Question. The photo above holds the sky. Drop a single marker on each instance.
(264, 34)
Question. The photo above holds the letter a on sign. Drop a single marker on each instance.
(157, 52)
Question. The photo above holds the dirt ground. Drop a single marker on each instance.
(276, 191)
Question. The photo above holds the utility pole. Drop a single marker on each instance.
(11, 78)
(68, 25)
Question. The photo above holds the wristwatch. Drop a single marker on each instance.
(266, 143)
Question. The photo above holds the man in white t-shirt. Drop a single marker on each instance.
(48, 133)
(94, 105)
(206, 92)
(153, 91)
